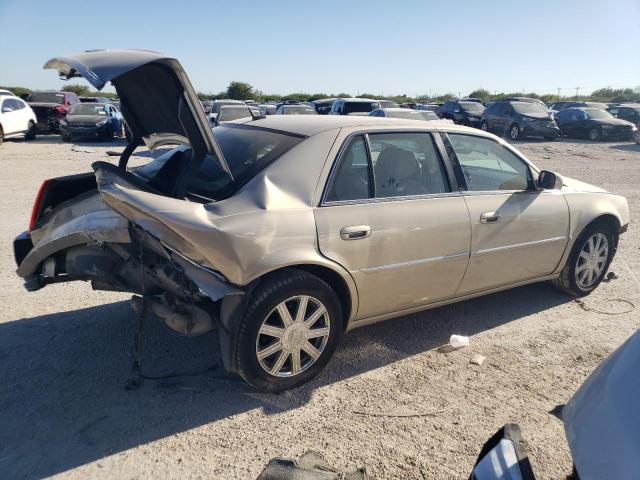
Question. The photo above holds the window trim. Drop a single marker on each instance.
(533, 170)
(444, 159)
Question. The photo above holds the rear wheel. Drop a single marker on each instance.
(594, 134)
(65, 136)
(31, 131)
(514, 132)
(1, 135)
(588, 261)
(636, 137)
(288, 332)
(484, 126)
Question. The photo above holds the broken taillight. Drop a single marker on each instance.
(36, 205)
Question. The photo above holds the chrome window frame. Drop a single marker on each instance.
(453, 186)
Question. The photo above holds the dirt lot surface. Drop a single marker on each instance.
(65, 358)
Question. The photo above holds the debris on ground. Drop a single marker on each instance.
(459, 341)
(310, 466)
(83, 149)
(397, 415)
(628, 306)
(477, 359)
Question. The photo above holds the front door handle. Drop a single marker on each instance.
(355, 232)
(489, 217)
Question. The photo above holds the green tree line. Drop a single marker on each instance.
(244, 91)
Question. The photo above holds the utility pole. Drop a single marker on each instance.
(559, 93)
(577, 90)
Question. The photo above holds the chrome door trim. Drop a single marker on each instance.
(390, 266)
(518, 245)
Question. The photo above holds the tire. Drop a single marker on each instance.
(549, 139)
(1, 135)
(108, 136)
(65, 137)
(262, 330)
(594, 134)
(636, 137)
(569, 280)
(514, 132)
(31, 131)
(484, 126)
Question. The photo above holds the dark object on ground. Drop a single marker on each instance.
(310, 466)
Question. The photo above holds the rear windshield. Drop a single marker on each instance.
(599, 114)
(526, 107)
(353, 107)
(405, 113)
(46, 97)
(298, 111)
(233, 113)
(247, 150)
(88, 109)
(473, 107)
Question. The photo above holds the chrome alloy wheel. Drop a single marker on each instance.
(592, 260)
(293, 336)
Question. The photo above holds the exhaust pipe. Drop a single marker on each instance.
(181, 317)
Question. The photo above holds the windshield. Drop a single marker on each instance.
(353, 107)
(233, 113)
(388, 104)
(298, 111)
(596, 105)
(599, 114)
(405, 113)
(218, 104)
(247, 150)
(528, 108)
(88, 109)
(473, 107)
(45, 97)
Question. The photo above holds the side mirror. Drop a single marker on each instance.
(7, 109)
(549, 180)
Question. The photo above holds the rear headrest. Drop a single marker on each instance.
(397, 163)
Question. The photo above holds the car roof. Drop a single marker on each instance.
(396, 109)
(309, 125)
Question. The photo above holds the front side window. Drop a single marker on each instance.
(488, 165)
(402, 164)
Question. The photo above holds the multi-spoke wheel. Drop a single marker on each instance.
(289, 329)
(592, 260)
(293, 336)
(589, 260)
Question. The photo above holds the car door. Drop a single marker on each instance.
(24, 114)
(405, 236)
(10, 116)
(518, 233)
(494, 116)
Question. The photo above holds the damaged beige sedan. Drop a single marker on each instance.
(285, 232)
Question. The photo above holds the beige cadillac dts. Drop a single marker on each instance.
(287, 231)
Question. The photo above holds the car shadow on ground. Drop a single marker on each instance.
(626, 147)
(56, 139)
(63, 401)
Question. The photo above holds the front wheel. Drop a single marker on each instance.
(636, 137)
(588, 261)
(484, 126)
(594, 134)
(514, 132)
(288, 332)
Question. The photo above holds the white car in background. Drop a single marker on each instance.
(6, 93)
(16, 118)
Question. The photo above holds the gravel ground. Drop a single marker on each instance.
(65, 358)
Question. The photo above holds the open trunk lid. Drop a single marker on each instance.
(156, 97)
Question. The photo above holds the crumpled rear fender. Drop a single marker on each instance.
(86, 220)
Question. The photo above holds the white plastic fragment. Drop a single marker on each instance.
(477, 359)
(458, 341)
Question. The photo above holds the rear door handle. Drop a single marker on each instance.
(489, 217)
(355, 232)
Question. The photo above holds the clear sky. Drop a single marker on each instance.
(382, 47)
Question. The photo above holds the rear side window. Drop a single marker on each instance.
(402, 164)
(247, 151)
(359, 107)
(489, 166)
(351, 180)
